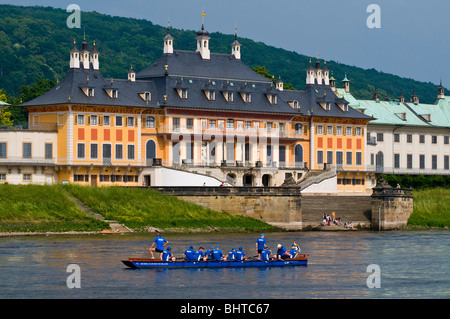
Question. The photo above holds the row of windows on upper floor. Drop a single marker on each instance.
(232, 124)
(378, 160)
(409, 138)
(339, 130)
(27, 150)
(150, 122)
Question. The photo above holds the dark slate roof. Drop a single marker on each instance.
(310, 98)
(187, 71)
(196, 97)
(72, 85)
(190, 63)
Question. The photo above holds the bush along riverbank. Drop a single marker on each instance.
(49, 209)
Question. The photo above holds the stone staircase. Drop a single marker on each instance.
(356, 209)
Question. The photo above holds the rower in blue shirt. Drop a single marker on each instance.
(209, 253)
(282, 253)
(199, 255)
(160, 243)
(167, 254)
(260, 242)
(232, 254)
(265, 253)
(240, 255)
(217, 254)
(190, 254)
(293, 251)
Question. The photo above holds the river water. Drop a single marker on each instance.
(412, 264)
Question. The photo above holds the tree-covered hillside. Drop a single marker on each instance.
(35, 44)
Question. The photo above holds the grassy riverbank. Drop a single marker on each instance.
(431, 208)
(49, 209)
(34, 208)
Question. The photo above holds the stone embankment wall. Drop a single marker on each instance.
(285, 207)
(278, 206)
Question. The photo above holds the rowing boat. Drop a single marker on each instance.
(158, 263)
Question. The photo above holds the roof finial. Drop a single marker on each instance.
(168, 25)
(84, 34)
(203, 19)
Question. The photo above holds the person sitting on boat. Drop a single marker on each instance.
(200, 255)
(160, 243)
(218, 255)
(167, 254)
(293, 251)
(240, 255)
(260, 242)
(190, 254)
(232, 254)
(282, 253)
(209, 254)
(265, 253)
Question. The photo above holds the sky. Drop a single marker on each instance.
(411, 38)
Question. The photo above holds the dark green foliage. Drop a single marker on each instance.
(35, 44)
(419, 182)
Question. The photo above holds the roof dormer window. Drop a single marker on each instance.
(115, 94)
(90, 92)
(344, 107)
(246, 97)
(294, 104)
(182, 93)
(210, 95)
(146, 96)
(229, 96)
(272, 98)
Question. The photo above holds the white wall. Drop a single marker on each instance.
(161, 176)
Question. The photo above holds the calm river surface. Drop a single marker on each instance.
(412, 265)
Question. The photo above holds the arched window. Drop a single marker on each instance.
(298, 152)
(380, 162)
(150, 150)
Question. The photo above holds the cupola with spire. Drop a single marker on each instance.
(280, 84)
(414, 98)
(333, 82)
(346, 84)
(318, 72)
(168, 41)
(131, 75)
(94, 58)
(84, 55)
(310, 74)
(203, 40)
(326, 74)
(236, 46)
(74, 56)
(441, 91)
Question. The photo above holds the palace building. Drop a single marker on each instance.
(192, 118)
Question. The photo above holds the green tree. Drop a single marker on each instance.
(39, 87)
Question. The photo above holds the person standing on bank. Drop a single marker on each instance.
(160, 243)
(260, 242)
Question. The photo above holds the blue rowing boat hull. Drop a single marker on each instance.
(156, 263)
